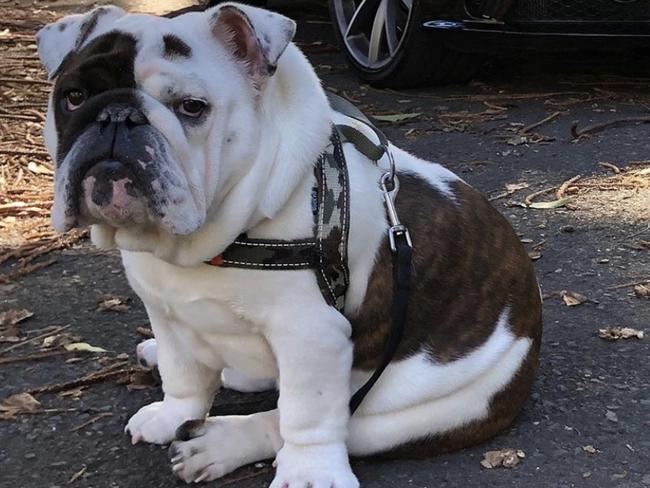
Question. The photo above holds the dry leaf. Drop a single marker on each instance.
(507, 458)
(642, 291)
(573, 299)
(58, 340)
(517, 141)
(83, 346)
(616, 333)
(13, 316)
(112, 303)
(9, 331)
(141, 380)
(590, 449)
(20, 402)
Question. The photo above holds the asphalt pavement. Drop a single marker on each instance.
(588, 421)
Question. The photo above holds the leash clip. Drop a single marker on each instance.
(389, 185)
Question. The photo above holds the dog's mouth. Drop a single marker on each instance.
(109, 193)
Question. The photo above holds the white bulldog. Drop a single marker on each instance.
(174, 136)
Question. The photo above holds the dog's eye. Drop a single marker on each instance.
(74, 99)
(191, 107)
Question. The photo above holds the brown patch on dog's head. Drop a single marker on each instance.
(174, 46)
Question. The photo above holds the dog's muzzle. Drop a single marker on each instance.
(119, 172)
(110, 190)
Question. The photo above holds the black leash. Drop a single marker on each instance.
(402, 259)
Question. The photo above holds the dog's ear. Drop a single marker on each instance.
(58, 40)
(254, 36)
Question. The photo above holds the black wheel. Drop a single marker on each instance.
(387, 46)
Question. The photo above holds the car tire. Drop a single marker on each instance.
(419, 57)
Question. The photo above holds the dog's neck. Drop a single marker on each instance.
(272, 203)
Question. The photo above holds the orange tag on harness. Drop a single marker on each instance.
(217, 260)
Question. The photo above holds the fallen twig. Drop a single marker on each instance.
(30, 118)
(34, 357)
(611, 166)
(23, 80)
(591, 129)
(564, 186)
(77, 475)
(631, 283)
(232, 481)
(6, 278)
(17, 152)
(90, 379)
(529, 199)
(545, 120)
(91, 421)
(36, 338)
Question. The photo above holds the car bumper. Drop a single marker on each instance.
(476, 36)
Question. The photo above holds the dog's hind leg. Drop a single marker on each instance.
(207, 450)
(147, 354)
(238, 381)
(473, 413)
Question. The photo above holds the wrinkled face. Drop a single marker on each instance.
(150, 118)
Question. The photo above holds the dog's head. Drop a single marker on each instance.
(151, 119)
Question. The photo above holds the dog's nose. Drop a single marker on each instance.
(121, 113)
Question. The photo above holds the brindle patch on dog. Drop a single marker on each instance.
(468, 265)
(460, 287)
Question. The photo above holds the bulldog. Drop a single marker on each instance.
(174, 136)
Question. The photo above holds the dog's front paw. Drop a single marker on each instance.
(208, 450)
(315, 466)
(157, 422)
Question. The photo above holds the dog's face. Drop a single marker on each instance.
(152, 119)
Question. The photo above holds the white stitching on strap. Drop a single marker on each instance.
(259, 244)
(266, 265)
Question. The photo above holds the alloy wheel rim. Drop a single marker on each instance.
(373, 30)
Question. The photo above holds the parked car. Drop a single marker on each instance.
(400, 43)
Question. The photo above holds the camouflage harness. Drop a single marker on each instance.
(326, 252)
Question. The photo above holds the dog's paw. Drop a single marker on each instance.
(147, 353)
(157, 422)
(207, 450)
(237, 381)
(315, 466)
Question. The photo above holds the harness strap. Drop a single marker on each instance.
(327, 252)
(361, 142)
(268, 254)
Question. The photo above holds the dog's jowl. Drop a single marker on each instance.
(172, 137)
